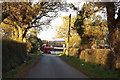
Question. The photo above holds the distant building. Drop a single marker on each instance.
(55, 43)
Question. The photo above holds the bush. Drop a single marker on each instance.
(72, 52)
(91, 70)
(118, 63)
(103, 57)
(13, 54)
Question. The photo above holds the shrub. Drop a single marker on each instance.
(103, 57)
(13, 54)
(72, 52)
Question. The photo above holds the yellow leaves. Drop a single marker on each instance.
(24, 26)
(31, 17)
(2, 24)
(15, 22)
(20, 18)
(63, 31)
(35, 6)
(24, 40)
(66, 17)
(5, 26)
(60, 27)
(6, 20)
(33, 31)
(74, 18)
(72, 24)
(94, 31)
(98, 56)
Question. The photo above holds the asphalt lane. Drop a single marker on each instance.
(51, 66)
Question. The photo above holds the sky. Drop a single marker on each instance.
(50, 33)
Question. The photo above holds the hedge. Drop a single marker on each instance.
(13, 54)
(72, 52)
(103, 57)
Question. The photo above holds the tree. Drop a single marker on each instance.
(114, 28)
(26, 15)
(19, 16)
(112, 9)
(63, 32)
(36, 43)
(90, 28)
(112, 23)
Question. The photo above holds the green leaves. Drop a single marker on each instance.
(89, 26)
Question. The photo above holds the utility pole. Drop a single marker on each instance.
(69, 34)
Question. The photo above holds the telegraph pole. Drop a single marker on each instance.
(69, 34)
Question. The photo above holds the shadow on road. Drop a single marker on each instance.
(51, 66)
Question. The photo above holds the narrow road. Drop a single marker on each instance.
(51, 66)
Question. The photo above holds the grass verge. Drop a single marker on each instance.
(91, 70)
(35, 54)
(22, 70)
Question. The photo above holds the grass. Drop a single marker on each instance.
(21, 71)
(91, 70)
(35, 54)
(60, 54)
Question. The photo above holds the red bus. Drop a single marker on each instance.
(48, 50)
(53, 50)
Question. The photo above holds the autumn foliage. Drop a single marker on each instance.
(101, 57)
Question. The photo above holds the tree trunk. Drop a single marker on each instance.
(25, 31)
(20, 34)
(15, 33)
(24, 34)
(114, 31)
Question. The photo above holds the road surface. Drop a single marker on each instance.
(51, 66)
